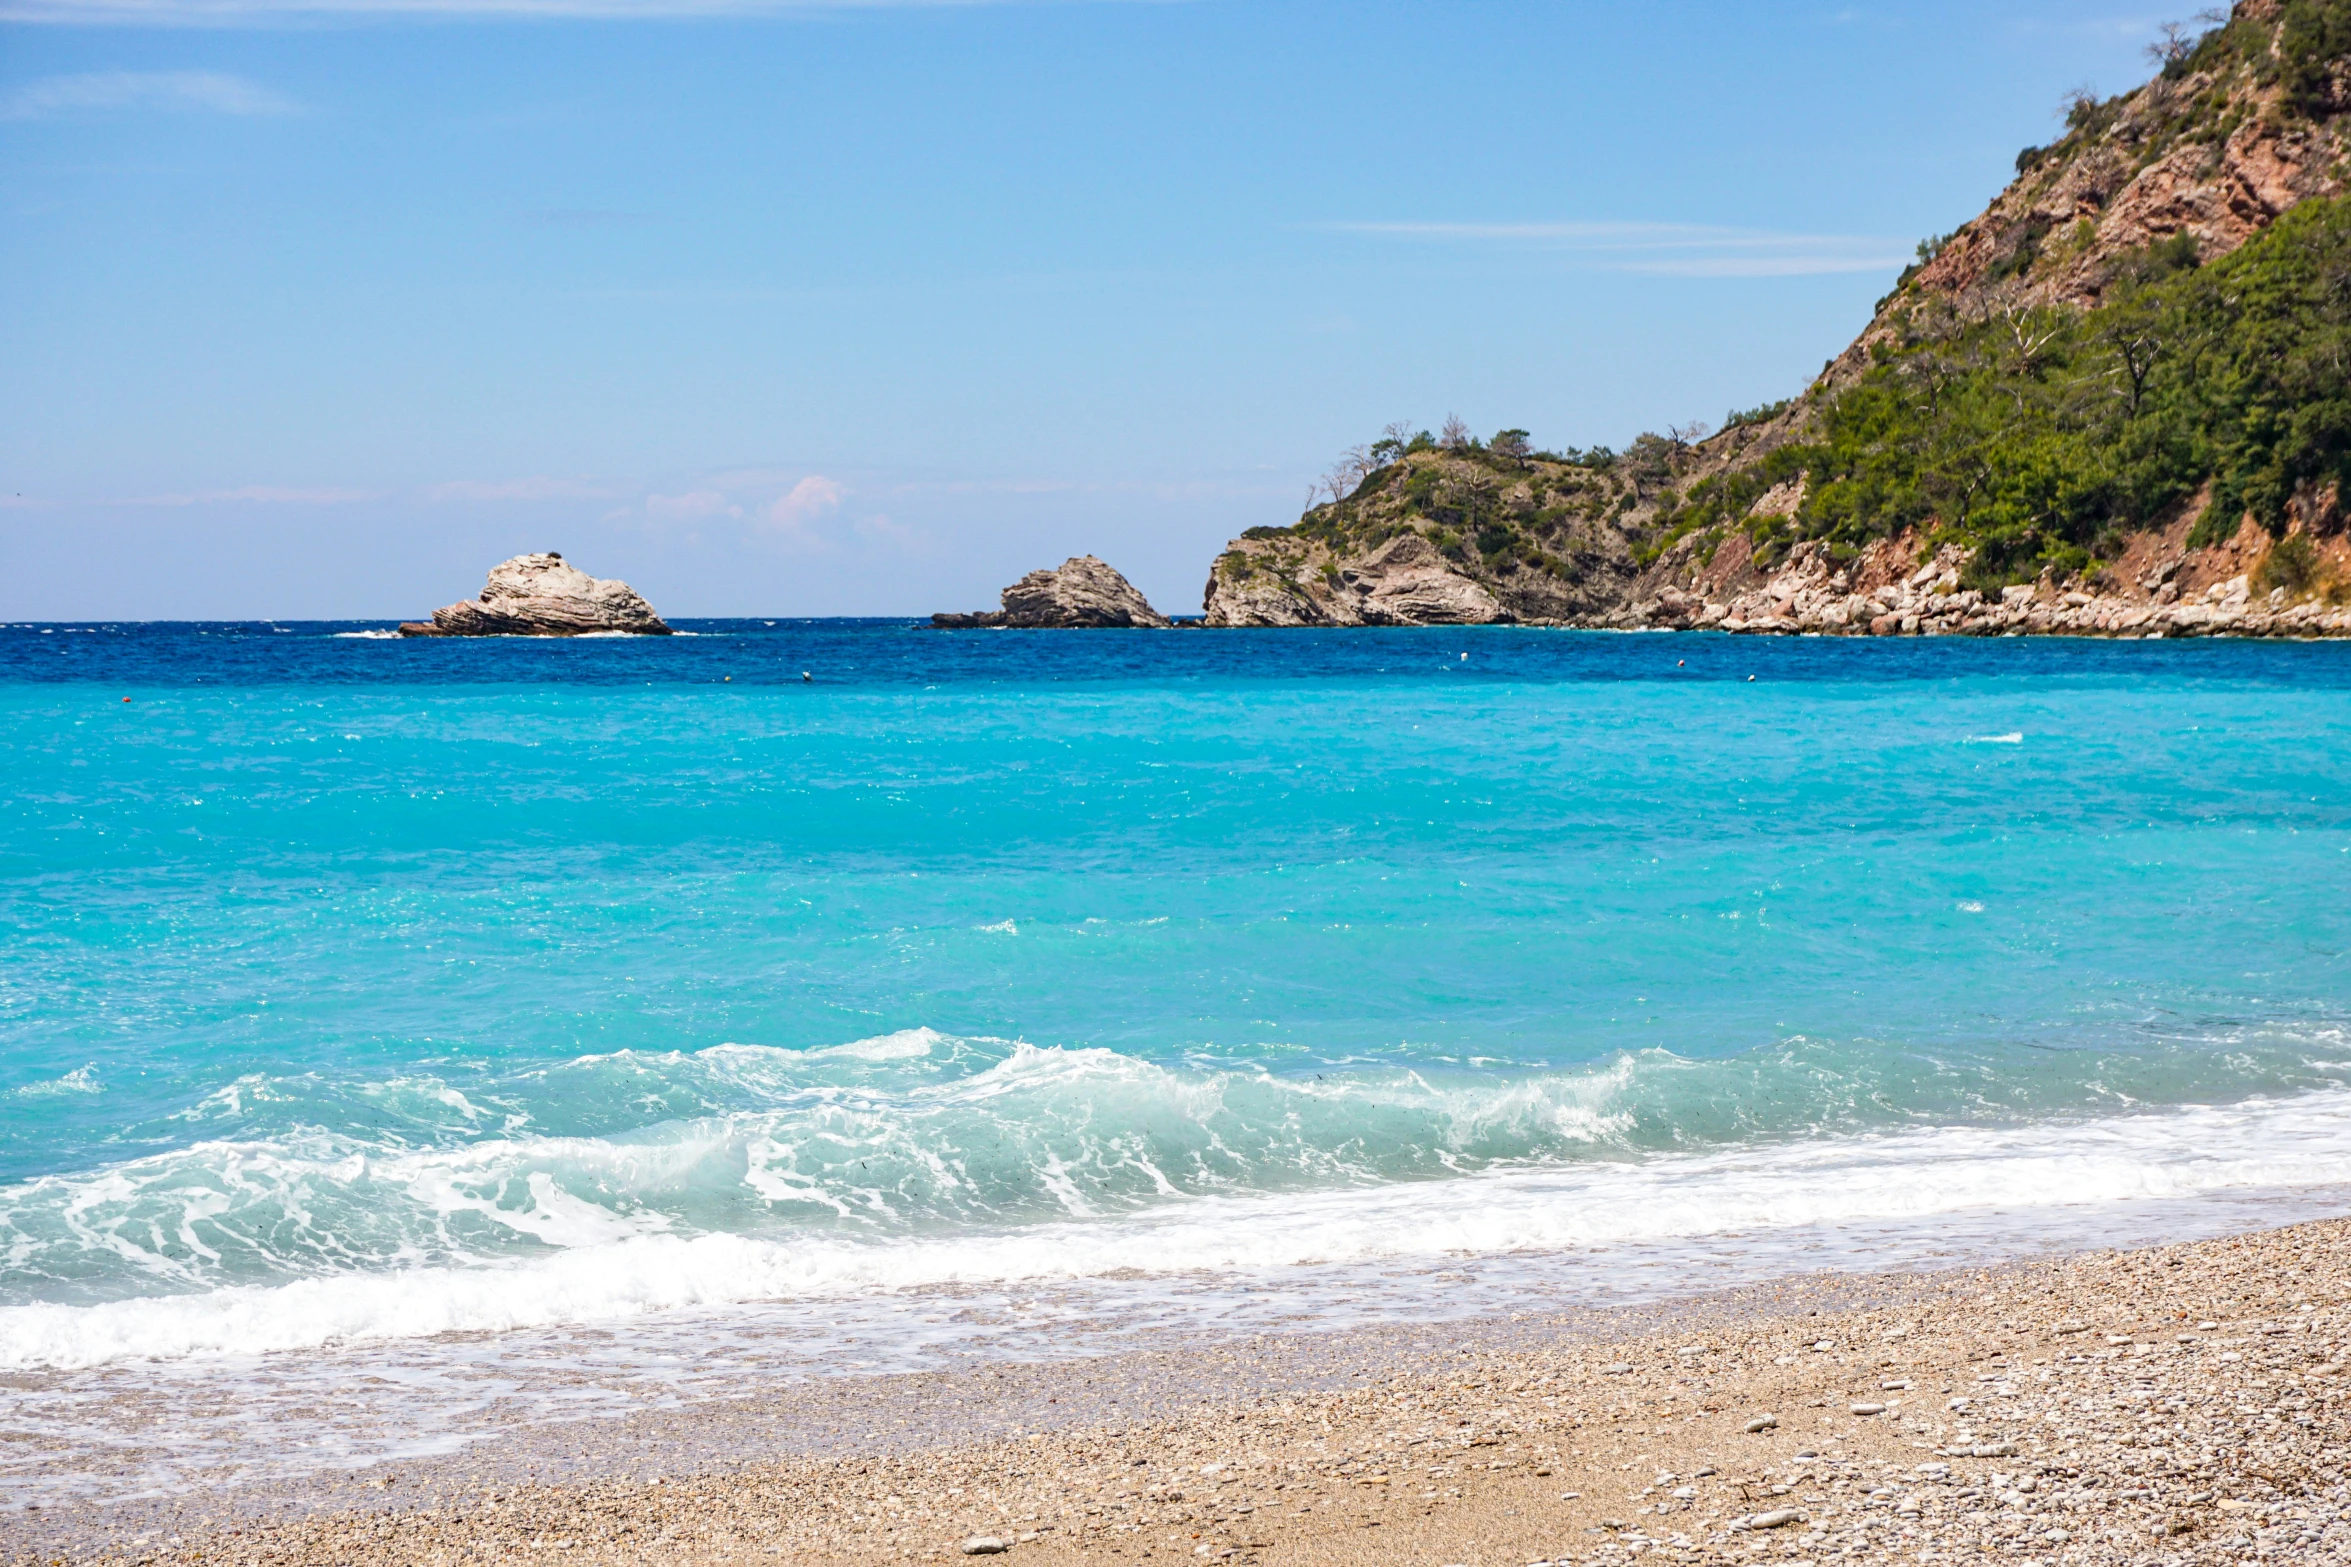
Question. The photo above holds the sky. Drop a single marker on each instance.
(319, 308)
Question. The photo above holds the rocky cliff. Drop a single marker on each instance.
(542, 596)
(1438, 536)
(1082, 593)
(2115, 402)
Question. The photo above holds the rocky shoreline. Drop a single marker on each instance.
(2160, 588)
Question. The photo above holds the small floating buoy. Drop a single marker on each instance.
(126, 699)
(1465, 658)
(728, 678)
(805, 675)
(1681, 663)
(1750, 680)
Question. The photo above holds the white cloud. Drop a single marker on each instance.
(1670, 249)
(97, 92)
(808, 500)
(231, 13)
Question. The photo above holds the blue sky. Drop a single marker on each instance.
(321, 307)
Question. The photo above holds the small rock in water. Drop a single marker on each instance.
(983, 1545)
(1082, 591)
(542, 596)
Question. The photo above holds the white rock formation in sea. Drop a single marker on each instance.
(542, 596)
(1083, 592)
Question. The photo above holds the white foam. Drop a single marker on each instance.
(81, 1080)
(369, 636)
(907, 1044)
(606, 1266)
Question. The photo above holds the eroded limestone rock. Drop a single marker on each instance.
(543, 596)
(1082, 593)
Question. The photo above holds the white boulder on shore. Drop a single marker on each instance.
(543, 596)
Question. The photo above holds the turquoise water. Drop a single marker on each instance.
(358, 989)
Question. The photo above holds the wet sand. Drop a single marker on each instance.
(2168, 1404)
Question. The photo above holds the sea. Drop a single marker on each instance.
(401, 1041)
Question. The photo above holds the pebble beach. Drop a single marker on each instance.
(2168, 1405)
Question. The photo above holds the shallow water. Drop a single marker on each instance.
(361, 990)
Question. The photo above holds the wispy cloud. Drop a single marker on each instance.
(233, 13)
(538, 488)
(261, 495)
(1667, 249)
(103, 92)
(692, 506)
(2110, 28)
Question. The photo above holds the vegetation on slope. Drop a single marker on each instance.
(2040, 436)
(2036, 389)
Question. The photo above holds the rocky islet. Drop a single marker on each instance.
(543, 595)
(1082, 593)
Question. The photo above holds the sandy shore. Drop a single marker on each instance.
(2176, 1404)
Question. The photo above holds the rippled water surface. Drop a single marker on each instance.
(361, 989)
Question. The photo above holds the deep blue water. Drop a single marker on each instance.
(508, 975)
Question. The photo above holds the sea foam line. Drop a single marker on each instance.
(1911, 1175)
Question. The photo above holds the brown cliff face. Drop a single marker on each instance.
(2240, 126)
(2210, 153)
